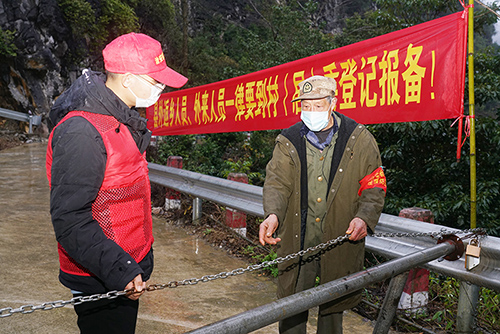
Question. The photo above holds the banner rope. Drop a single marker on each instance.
(466, 130)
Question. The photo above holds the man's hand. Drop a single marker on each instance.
(357, 229)
(138, 287)
(266, 230)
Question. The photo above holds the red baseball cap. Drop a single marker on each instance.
(140, 54)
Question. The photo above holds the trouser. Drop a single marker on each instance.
(107, 316)
(330, 323)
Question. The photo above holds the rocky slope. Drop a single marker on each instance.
(32, 79)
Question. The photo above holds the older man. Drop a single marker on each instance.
(323, 181)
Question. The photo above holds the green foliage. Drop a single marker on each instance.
(202, 153)
(271, 269)
(101, 24)
(241, 166)
(489, 309)
(79, 15)
(208, 231)
(221, 154)
(487, 80)
(224, 49)
(157, 19)
(117, 18)
(445, 291)
(370, 24)
(7, 46)
(412, 12)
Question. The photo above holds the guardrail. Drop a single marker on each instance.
(248, 198)
(280, 309)
(22, 117)
(241, 196)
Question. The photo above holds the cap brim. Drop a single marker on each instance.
(169, 77)
(310, 97)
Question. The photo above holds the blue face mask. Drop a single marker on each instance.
(315, 120)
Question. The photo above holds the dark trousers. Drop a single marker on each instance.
(108, 316)
(330, 323)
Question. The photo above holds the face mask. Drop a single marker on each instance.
(315, 120)
(153, 97)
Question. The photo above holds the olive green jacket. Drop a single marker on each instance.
(356, 155)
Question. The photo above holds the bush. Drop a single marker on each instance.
(7, 46)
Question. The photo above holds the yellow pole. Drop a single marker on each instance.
(472, 118)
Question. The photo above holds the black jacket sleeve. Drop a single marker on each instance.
(78, 166)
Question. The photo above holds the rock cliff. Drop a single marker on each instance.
(31, 80)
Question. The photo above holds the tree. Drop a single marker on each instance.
(224, 49)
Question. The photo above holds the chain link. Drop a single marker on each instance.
(436, 234)
(26, 309)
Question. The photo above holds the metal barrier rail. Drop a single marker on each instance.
(486, 274)
(248, 198)
(22, 117)
(280, 309)
(241, 196)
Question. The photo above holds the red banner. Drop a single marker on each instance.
(414, 74)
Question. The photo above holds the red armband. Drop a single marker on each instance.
(373, 180)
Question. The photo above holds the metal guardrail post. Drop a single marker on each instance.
(262, 316)
(22, 117)
(34, 120)
(197, 210)
(467, 308)
(390, 305)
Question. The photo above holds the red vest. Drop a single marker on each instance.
(123, 204)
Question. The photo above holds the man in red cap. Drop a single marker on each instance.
(100, 192)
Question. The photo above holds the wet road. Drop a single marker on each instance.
(29, 265)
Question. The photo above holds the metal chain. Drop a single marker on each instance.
(250, 268)
(435, 234)
(25, 309)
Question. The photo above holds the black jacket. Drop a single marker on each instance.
(78, 166)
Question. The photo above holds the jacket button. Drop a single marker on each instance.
(296, 214)
(320, 178)
(319, 200)
(322, 158)
(341, 170)
(333, 190)
(296, 236)
(318, 220)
